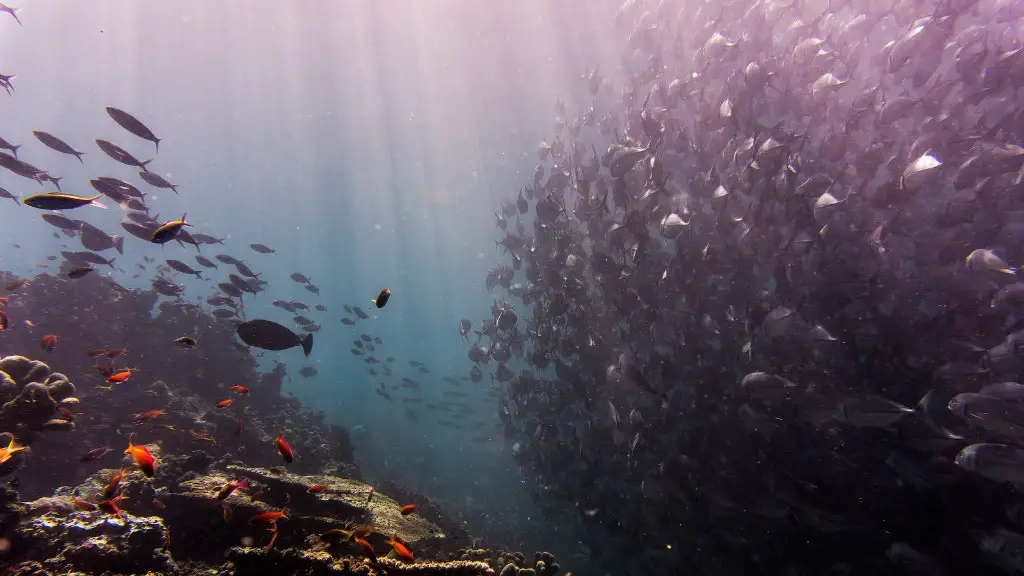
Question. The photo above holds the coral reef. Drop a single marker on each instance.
(30, 395)
(175, 524)
(184, 383)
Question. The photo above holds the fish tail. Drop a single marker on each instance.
(111, 263)
(79, 156)
(307, 344)
(144, 164)
(119, 244)
(14, 149)
(156, 141)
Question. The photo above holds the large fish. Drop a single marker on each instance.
(273, 336)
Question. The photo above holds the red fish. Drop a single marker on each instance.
(224, 403)
(96, 454)
(316, 488)
(115, 481)
(148, 415)
(83, 505)
(270, 517)
(15, 284)
(401, 549)
(408, 509)
(272, 540)
(111, 506)
(283, 448)
(240, 389)
(230, 487)
(121, 375)
(143, 459)
(49, 342)
(4, 322)
(367, 549)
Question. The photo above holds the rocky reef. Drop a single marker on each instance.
(182, 522)
(30, 395)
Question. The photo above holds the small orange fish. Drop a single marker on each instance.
(240, 389)
(224, 403)
(408, 509)
(83, 505)
(316, 488)
(121, 375)
(115, 481)
(30, 324)
(143, 459)
(4, 322)
(8, 452)
(3, 301)
(148, 415)
(367, 549)
(283, 448)
(400, 549)
(270, 517)
(49, 342)
(15, 284)
(111, 506)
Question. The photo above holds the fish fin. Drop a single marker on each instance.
(307, 344)
(99, 204)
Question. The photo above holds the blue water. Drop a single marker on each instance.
(369, 143)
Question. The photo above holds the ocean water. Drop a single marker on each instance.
(368, 143)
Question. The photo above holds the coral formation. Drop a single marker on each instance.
(191, 531)
(30, 395)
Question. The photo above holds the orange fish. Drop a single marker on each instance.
(110, 506)
(239, 389)
(143, 459)
(408, 509)
(4, 322)
(30, 324)
(270, 517)
(316, 488)
(3, 301)
(283, 448)
(10, 450)
(122, 375)
(400, 549)
(83, 505)
(15, 284)
(367, 549)
(148, 415)
(115, 481)
(49, 342)
(224, 403)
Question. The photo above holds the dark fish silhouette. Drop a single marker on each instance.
(273, 336)
(132, 124)
(54, 143)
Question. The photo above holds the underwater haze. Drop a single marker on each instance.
(530, 288)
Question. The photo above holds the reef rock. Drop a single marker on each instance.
(30, 394)
(60, 542)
